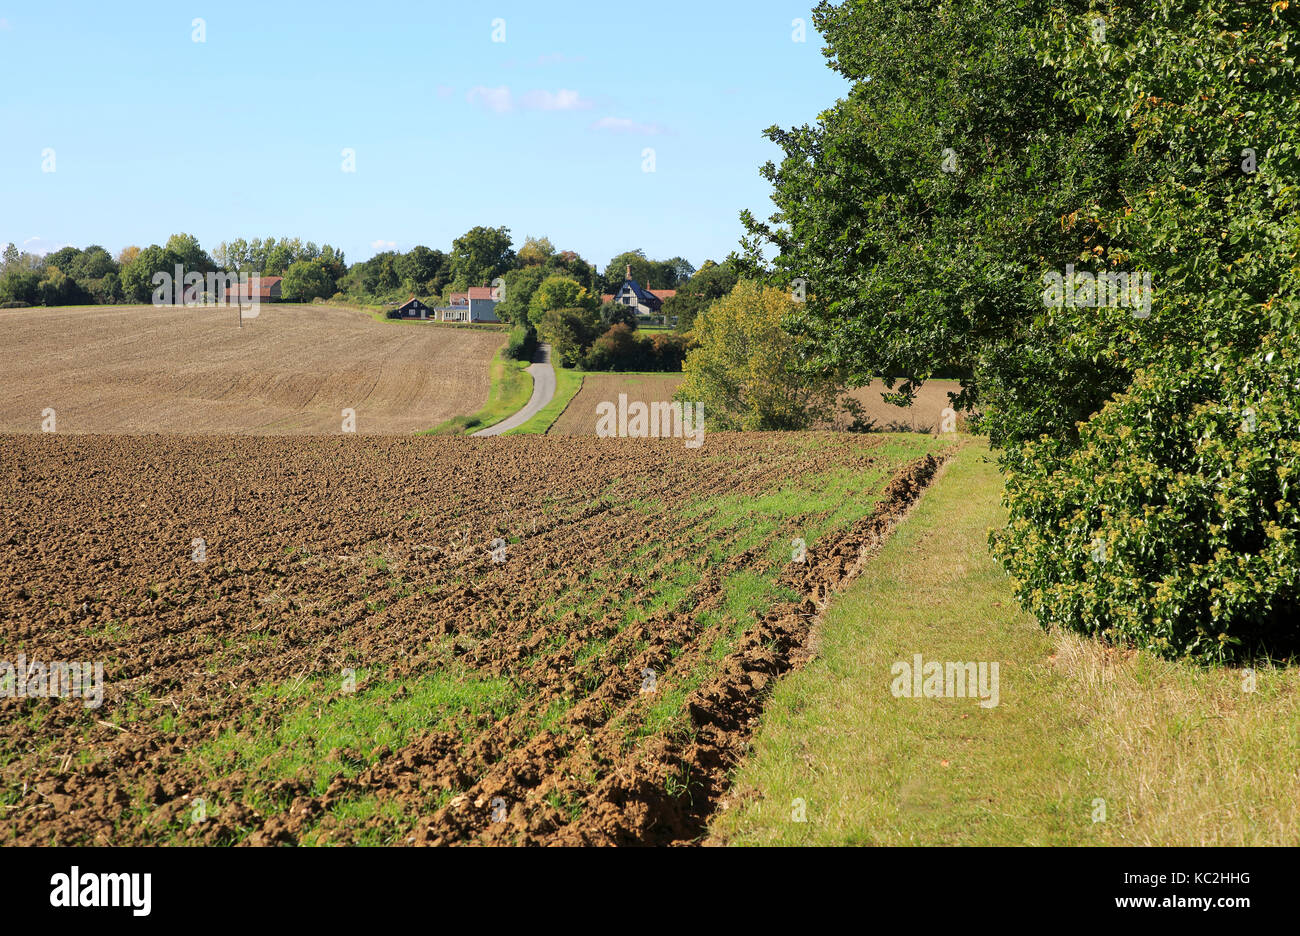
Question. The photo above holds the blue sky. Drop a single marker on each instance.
(243, 134)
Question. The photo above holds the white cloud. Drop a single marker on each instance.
(501, 100)
(4, 24)
(383, 245)
(40, 246)
(494, 99)
(623, 125)
(562, 100)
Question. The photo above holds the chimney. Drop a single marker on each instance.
(629, 271)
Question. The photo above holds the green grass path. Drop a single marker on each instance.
(567, 384)
(1087, 745)
(874, 769)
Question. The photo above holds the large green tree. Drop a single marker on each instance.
(192, 254)
(137, 276)
(423, 271)
(479, 256)
(306, 280)
(57, 288)
(915, 217)
(520, 285)
(536, 251)
(93, 263)
(990, 167)
(559, 292)
(652, 274)
(1169, 518)
(20, 285)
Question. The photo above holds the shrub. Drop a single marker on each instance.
(617, 350)
(614, 313)
(1173, 523)
(14, 304)
(570, 332)
(20, 286)
(623, 349)
(668, 351)
(521, 343)
(745, 368)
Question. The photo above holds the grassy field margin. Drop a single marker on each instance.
(567, 384)
(512, 386)
(1087, 744)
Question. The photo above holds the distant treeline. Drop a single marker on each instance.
(554, 292)
(92, 275)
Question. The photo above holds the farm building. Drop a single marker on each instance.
(477, 305)
(269, 290)
(413, 308)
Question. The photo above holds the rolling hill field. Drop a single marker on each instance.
(293, 369)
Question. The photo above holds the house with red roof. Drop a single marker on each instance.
(479, 304)
(269, 290)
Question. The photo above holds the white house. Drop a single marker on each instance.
(477, 305)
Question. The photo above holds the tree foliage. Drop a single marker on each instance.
(559, 292)
(306, 280)
(480, 255)
(745, 369)
(983, 148)
(569, 332)
(710, 283)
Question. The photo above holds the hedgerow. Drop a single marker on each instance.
(990, 149)
(1174, 523)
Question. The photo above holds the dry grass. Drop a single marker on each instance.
(579, 417)
(922, 416)
(1187, 754)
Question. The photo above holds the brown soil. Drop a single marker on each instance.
(328, 553)
(579, 418)
(293, 369)
(922, 416)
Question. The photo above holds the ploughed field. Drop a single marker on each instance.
(292, 369)
(414, 640)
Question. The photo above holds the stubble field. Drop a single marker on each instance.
(292, 369)
(579, 417)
